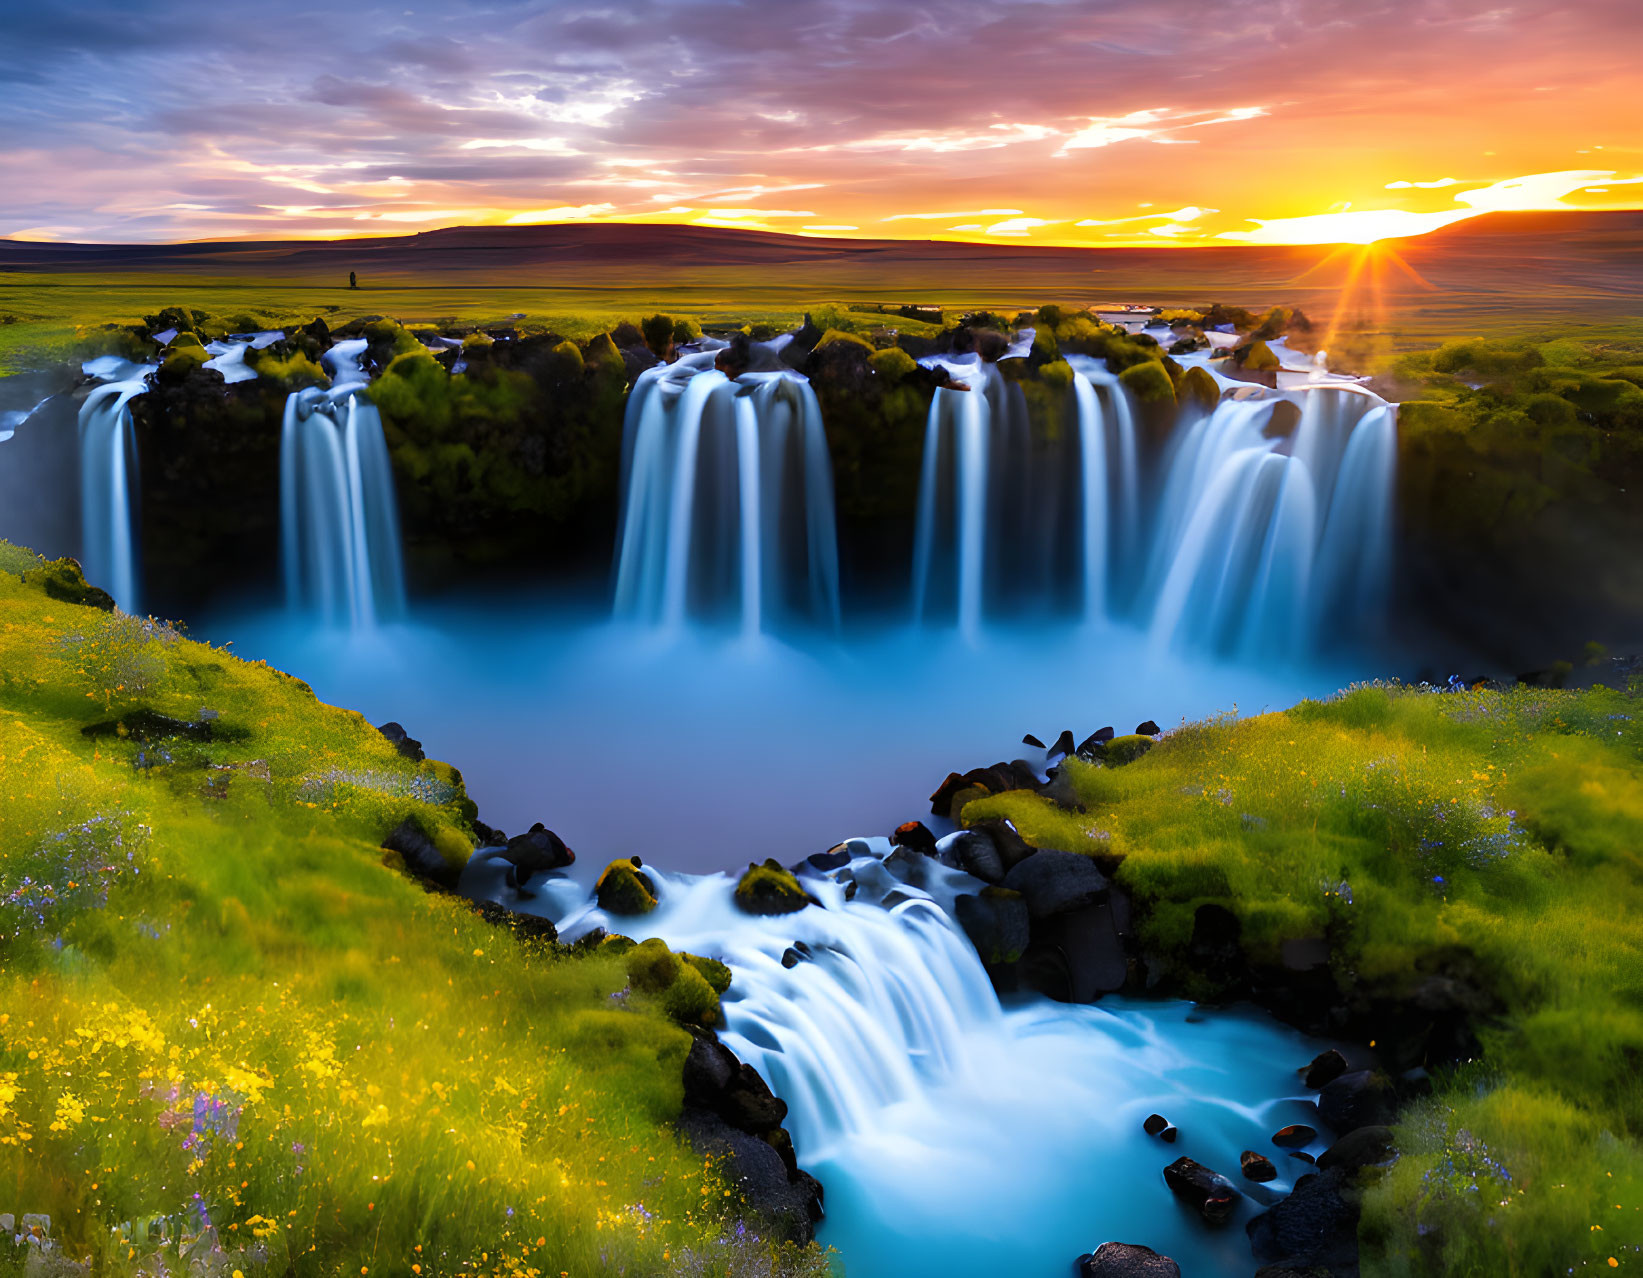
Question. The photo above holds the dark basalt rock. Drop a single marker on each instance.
(1033, 741)
(915, 836)
(1012, 848)
(729, 1112)
(144, 725)
(537, 851)
(1147, 729)
(1092, 743)
(1126, 1260)
(422, 858)
(1363, 1147)
(1257, 1167)
(975, 852)
(833, 859)
(1359, 1099)
(1315, 1227)
(1078, 955)
(1064, 743)
(997, 923)
(407, 745)
(1326, 1067)
(1215, 952)
(532, 927)
(1209, 1193)
(1295, 1136)
(1053, 882)
(1154, 1124)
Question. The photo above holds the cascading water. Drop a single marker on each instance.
(338, 516)
(955, 1134)
(109, 477)
(1267, 544)
(727, 500)
(1255, 542)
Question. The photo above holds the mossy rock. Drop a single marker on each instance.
(625, 889)
(1149, 382)
(1122, 750)
(617, 944)
(64, 581)
(1057, 375)
(892, 363)
(1258, 357)
(186, 340)
(181, 361)
(676, 981)
(834, 337)
(770, 889)
(717, 974)
(1198, 388)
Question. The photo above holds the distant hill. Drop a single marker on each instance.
(1567, 263)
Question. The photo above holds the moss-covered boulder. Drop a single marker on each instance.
(63, 580)
(1198, 389)
(1122, 750)
(892, 364)
(770, 889)
(676, 981)
(624, 888)
(1258, 357)
(1149, 382)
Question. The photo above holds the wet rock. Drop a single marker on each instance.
(1215, 951)
(1012, 848)
(836, 857)
(1033, 741)
(910, 867)
(1257, 1167)
(624, 888)
(770, 889)
(1053, 882)
(941, 802)
(1154, 1124)
(1362, 1147)
(1126, 1260)
(915, 836)
(1147, 729)
(997, 923)
(1301, 1156)
(1078, 955)
(421, 857)
(1170, 1134)
(1209, 1193)
(407, 745)
(1295, 1136)
(791, 958)
(538, 851)
(1064, 743)
(1316, 1226)
(974, 852)
(1359, 1099)
(1325, 1067)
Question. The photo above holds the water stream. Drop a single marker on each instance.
(109, 478)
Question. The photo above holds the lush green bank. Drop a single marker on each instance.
(1469, 864)
(227, 1019)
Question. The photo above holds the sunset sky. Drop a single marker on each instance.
(1105, 122)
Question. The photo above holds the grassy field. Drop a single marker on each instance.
(229, 1031)
(1489, 838)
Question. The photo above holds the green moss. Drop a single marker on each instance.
(63, 580)
(182, 360)
(1149, 383)
(834, 337)
(657, 331)
(770, 889)
(289, 372)
(892, 363)
(716, 974)
(18, 560)
(676, 981)
(184, 341)
(624, 888)
(1260, 359)
(1122, 750)
(1198, 388)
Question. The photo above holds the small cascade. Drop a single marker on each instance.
(727, 507)
(1109, 508)
(338, 516)
(109, 478)
(909, 1084)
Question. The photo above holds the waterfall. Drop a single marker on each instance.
(338, 517)
(942, 1122)
(109, 478)
(960, 496)
(1267, 545)
(727, 506)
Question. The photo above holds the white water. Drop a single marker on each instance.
(955, 1135)
(339, 519)
(1230, 538)
(727, 506)
(109, 478)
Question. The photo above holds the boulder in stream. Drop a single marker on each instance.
(1126, 1260)
(1208, 1192)
(996, 922)
(770, 889)
(1054, 882)
(624, 888)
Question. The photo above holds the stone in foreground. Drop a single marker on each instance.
(1126, 1260)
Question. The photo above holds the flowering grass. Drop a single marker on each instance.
(1495, 833)
(229, 1033)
